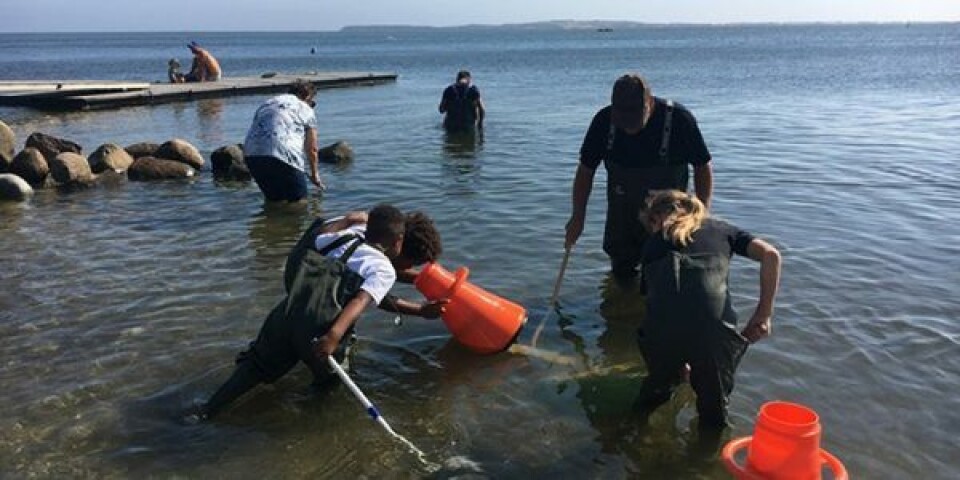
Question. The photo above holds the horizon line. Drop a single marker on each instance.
(628, 24)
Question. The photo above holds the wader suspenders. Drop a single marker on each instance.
(664, 143)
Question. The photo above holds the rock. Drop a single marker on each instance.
(227, 163)
(31, 166)
(8, 146)
(71, 169)
(50, 146)
(181, 151)
(152, 168)
(142, 149)
(339, 152)
(110, 156)
(14, 188)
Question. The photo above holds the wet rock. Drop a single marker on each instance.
(71, 169)
(110, 156)
(8, 146)
(227, 163)
(181, 151)
(14, 188)
(50, 146)
(339, 152)
(142, 149)
(152, 168)
(31, 166)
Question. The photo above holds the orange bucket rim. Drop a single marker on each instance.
(772, 415)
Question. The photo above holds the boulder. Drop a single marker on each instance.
(110, 156)
(14, 188)
(71, 169)
(50, 146)
(227, 163)
(8, 146)
(181, 151)
(142, 149)
(152, 168)
(31, 166)
(339, 152)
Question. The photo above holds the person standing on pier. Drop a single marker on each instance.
(462, 105)
(205, 67)
(281, 142)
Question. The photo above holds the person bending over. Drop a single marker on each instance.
(690, 319)
(334, 272)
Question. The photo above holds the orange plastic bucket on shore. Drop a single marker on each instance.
(785, 445)
(478, 319)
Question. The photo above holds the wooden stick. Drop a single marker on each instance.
(553, 301)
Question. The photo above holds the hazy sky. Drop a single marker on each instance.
(313, 15)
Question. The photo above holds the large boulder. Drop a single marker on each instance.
(142, 149)
(152, 168)
(110, 156)
(338, 152)
(31, 166)
(51, 146)
(181, 151)
(71, 169)
(8, 146)
(227, 163)
(14, 188)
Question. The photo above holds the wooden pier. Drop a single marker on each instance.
(98, 95)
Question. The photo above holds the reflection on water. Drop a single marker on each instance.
(210, 122)
(462, 144)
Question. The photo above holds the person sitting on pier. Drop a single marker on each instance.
(336, 269)
(205, 67)
(173, 71)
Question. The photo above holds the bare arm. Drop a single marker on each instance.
(428, 309)
(348, 220)
(327, 344)
(759, 325)
(703, 182)
(310, 147)
(582, 186)
(481, 113)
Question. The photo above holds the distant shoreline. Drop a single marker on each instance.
(553, 25)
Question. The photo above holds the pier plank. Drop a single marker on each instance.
(105, 95)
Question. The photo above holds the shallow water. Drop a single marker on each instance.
(125, 303)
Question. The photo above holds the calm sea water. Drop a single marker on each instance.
(125, 303)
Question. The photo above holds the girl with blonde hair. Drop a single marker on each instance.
(690, 318)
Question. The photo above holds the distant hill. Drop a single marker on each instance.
(603, 25)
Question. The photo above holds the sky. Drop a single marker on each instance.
(325, 15)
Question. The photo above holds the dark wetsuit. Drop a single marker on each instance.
(656, 158)
(461, 104)
(318, 287)
(690, 319)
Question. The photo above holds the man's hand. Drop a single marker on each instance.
(315, 179)
(326, 345)
(574, 230)
(434, 309)
(757, 328)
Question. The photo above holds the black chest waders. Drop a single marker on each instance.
(627, 188)
(690, 320)
(318, 288)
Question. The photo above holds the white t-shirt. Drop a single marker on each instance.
(368, 262)
(279, 129)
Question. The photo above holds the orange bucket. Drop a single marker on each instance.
(480, 320)
(785, 445)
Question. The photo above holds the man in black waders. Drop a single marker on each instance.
(462, 105)
(337, 268)
(646, 143)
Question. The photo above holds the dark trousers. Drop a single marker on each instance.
(277, 179)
